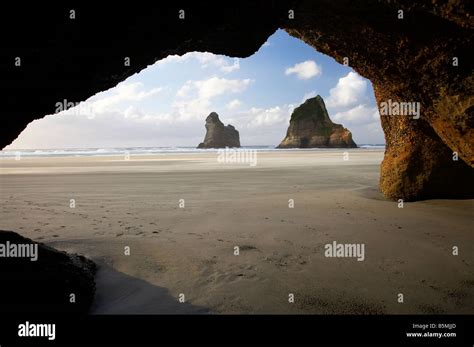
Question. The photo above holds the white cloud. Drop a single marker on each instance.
(268, 117)
(361, 114)
(234, 104)
(194, 97)
(230, 68)
(135, 114)
(225, 64)
(185, 90)
(348, 91)
(205, 59)
(257, 117)
(189, 109)
(304, 70)
(212, 87)
(364, 123)
(106, 101)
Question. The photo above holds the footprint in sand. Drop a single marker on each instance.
(247, 248)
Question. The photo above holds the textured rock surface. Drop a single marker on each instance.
(409, 59)
(46, 284)
(218, 135)
(310, 126)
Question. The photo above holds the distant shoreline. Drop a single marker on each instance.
(86, 152)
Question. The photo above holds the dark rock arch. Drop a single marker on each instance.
(407, 60)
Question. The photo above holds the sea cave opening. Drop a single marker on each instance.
(119, 179)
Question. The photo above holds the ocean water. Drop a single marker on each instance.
(80, 152)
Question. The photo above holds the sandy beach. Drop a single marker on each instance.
(190, 249)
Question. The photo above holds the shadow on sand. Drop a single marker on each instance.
(118, 293)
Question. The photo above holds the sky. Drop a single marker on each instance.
(166, 104)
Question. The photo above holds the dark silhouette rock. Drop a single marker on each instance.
(311, 127)
(218, 135)
(44, 285)
(422, 57)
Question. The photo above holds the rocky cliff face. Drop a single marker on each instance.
(43, 285)
(419, 55)
(411, 52)
(218, 135)
(310, 126)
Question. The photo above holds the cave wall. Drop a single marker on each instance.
(407, 60)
